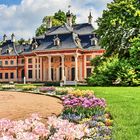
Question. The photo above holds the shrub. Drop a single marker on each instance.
(28, 88)
(7, 86)
(113, 71)
(52, 84)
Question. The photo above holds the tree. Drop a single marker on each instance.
(59, 18)
(21, 41)
(118, 25)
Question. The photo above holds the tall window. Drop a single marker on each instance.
(0, 75)
(30, 60)
(88, 58)
(73, 58)
(88, 72)
(6, 75)
(12, 62)
(6, 62)
(22, 61)
(30, 74)
(12, 75)
(0, 63)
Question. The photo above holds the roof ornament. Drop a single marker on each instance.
(49, 22)
(4, 38)
(90, 17)
(13, 37)
(69, 16)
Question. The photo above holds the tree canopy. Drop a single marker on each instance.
(119, 24)
(59, 18)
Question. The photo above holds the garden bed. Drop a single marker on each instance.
(84, 117)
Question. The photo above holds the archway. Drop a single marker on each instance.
(60, 73)
(22, 74)
(73, 74)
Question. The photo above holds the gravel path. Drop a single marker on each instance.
(16, 106)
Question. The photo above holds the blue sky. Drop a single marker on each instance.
(22, 17)
(10, 2)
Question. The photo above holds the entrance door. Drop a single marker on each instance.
(22, 74)
(52, 74)
(73, 74)
(60, 73)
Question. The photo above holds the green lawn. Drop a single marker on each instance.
(124, 105)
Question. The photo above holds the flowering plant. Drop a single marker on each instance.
(81, 92)
(7, 86)
(77, 108)
(47, 89)
(33, 129)
(63, 91)
(28, 88)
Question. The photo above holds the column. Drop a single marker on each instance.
(76, 67)
(49, 69)
(33, 68)
(26, 68)
(37, 68)
(41, 69)
(85, 67)
(63, 68)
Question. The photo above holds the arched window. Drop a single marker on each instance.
(7, 51)
(56, 41)
(72, 58)
(94, 42)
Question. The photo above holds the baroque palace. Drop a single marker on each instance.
(62, 53)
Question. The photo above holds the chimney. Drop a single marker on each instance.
(90, 18)
(13, 37)
(49, 24)
(69, 18)
(4, 38)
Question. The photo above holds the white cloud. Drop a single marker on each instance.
(23, 19)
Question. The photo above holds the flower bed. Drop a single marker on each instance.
(90, 111)
(7, 87)
(28, 88)
(63, 91)
(84, 118)
(47, 89)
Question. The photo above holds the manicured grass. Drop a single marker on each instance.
(124, 105)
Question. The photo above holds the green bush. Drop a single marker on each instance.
(7, 87)
(52, 84)
(28, 88)
(113, 71)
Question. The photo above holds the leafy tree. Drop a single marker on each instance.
(59, 18)
(118, 25)
(134, 59)
(113, 71)
(21, 41)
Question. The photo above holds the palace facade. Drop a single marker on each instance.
(62, 53)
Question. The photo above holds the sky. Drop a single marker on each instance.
(22, 17)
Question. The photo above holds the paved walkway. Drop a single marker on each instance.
(20, 105)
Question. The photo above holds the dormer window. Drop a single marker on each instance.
(56, 42)
(9, 50)
(78, 41)
(34, 46)
(94, 42)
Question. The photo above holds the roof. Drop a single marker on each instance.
(8, 45)
(66, 34)
(66, 42)
(84, 28)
